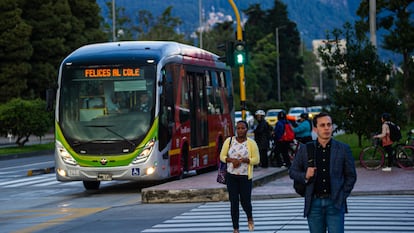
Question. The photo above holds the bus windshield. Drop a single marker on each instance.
(104, 103)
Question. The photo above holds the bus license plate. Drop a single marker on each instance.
(104, 177)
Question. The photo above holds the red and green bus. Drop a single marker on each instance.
(105, 132)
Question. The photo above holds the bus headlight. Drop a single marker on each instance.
(64, 154)
(150, 170)
(145, 152)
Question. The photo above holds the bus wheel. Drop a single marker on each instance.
(91, 185)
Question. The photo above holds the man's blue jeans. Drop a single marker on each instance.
(323, 215)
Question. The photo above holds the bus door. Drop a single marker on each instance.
(199, 108)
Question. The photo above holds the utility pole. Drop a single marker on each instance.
(372, 22)
(113, 21)
(279, 98)
(200, 19)
(239, 37)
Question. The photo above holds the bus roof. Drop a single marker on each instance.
(137, 50)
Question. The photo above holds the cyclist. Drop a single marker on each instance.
(386, 140)
(262, 136)
(303, 131)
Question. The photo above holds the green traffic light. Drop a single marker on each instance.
(239, 59)
(239, 53)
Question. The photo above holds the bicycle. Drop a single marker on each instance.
(292, 150)
(373, 156)
(405, 156)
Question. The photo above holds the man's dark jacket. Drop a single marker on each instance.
(342, 173)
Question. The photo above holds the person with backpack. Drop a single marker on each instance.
(283, 135)
(303, 132)
(262, 136)
(329, 174)
(386, 140)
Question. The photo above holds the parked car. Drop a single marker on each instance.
(271, 116)
(294, 113)
(314, 110)
(249, 118)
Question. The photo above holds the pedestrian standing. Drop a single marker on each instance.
(330, 178)
(303, 132)
(386, 140)
(262, 136)
(241, 155)
(282, 146)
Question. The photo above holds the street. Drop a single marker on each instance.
(366, 214)
(39, 203)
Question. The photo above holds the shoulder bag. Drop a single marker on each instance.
(300, 188)
(222, 170)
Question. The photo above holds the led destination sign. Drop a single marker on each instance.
(112, 72)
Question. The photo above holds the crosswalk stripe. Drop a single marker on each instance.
(367, 214)
(43, 181)
(21, 181)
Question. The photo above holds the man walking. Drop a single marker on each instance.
(262, 136)
(330, 178)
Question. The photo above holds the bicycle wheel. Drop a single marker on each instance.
(405, 157)
(372, 157)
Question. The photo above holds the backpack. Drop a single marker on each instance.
(289, 134)
(300, 188)
(395, 132)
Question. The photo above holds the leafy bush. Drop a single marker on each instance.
(23, 118)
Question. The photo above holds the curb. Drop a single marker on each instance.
(40, 171)
(158, 194)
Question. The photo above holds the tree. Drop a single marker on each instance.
(218, 35)
(51, 23)
(311, 70)
(23, 118)
(396, 19)
(163, 28)
(258, 81)
(53, 29)
(85, 24)
(15, 51)
(359, 73)
(123, 24)
(261, 24)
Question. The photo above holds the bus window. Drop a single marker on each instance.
(104, 101)
(221, 79)
(199, 126)
(166, 105)
(210, 93)
(184, 101)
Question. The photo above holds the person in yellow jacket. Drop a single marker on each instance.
(241, 154)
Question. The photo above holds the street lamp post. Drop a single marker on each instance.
(113, 21)
(278, 65)
(200, 18)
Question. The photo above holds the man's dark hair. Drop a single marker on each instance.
(315, 118)
(386, 116)
(281, 115)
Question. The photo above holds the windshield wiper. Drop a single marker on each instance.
(112, 131)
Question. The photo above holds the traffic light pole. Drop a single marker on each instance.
(239, 37)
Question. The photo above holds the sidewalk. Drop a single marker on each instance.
(273, 183)
(369, 182)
